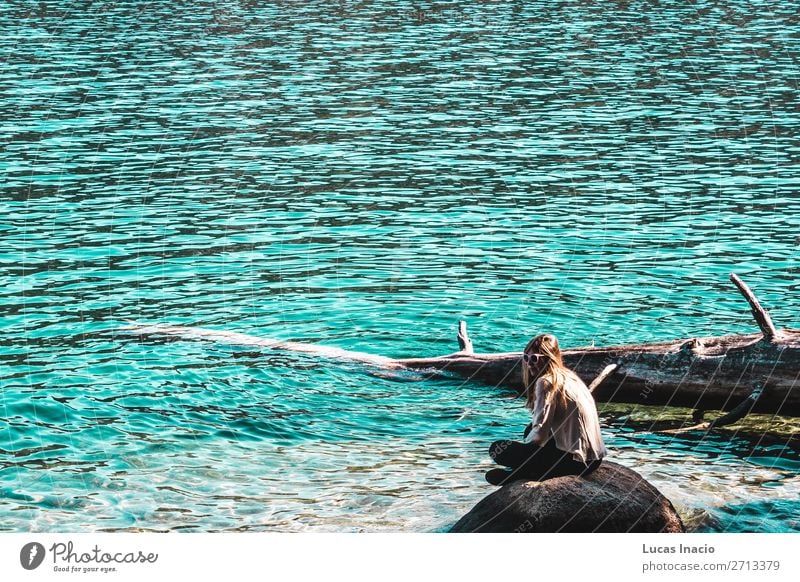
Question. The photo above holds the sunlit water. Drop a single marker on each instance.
(364, 176)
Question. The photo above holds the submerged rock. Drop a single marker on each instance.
(612, 499)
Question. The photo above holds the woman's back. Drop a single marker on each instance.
(575, 426)
(564, 435)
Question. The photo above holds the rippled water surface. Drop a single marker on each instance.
(364, 176)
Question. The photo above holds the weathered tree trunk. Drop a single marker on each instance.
(701, 373)
(705, 373)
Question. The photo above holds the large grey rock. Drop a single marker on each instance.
(612, 499)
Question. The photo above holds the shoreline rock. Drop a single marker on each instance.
(612, 499)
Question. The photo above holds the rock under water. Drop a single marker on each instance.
(611, 499)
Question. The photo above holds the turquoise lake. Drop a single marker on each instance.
(365, 175)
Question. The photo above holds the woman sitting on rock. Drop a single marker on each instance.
(564, 435)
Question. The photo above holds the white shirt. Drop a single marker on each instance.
(576, 429)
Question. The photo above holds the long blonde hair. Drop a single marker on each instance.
(554, 371)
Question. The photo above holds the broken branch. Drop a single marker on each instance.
(760, 314)
(602, 376)
(737, 413)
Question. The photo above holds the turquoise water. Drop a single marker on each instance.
(364, 176)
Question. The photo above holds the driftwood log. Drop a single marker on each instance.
(706, 373)
(701, 373)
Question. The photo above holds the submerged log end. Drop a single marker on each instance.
(760, 314)
(464, 343)
(740, 411)
(737, 413)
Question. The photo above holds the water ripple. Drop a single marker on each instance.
(366, 176)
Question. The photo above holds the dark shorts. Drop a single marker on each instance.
(534, 462)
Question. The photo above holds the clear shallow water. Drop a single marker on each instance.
(365, 176)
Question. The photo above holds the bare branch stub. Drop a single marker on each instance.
(760, 314)
(607, 371)
(464, 343)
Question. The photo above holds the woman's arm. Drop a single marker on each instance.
(542, 413)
